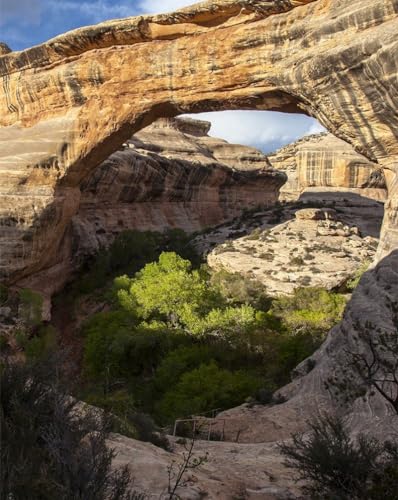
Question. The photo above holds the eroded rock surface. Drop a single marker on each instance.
(292, 246)
(169, 175)
(73, 101)
(325, 162)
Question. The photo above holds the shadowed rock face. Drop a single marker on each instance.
(169, 175)
(324, 161)
(67, 105)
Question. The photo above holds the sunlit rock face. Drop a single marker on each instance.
(325, 163)
(66, 105)
(167, 176)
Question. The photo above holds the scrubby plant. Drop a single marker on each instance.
(296, 261)
(334, 465)
(310, 309)
(354, 281)
(51, 447)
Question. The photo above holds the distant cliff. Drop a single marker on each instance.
(323, 161)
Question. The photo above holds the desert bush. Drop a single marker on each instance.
(353, 282)
(51, 447)
(42, 344)
(296, 261)
(310, 309)
(238, 289)
(336, 466)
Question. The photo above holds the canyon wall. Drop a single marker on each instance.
(169, 175)
(64, 108)
(323, 162)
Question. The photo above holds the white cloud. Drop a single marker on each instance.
(160, 6)
(263, 129)
(96, 11)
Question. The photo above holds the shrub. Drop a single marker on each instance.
(206, 388)
(310, 309)
(296, 261)
(334, 465)
(30, 309)
(116, 348)
(238, 289)
(42, 344)
(353, 282)
(51, 447)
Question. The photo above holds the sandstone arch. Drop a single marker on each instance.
(333, 60)
(67, 104)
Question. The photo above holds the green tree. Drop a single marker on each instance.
(168, 289)
(205, 388)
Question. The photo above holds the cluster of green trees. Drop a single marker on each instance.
(178, 340)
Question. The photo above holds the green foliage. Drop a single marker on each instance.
(128, 253)
(167, 289)
(238, 289)
(42, 344)
(310, 309)
(205, 388)
(353, 283)
(333, 465)
(173, 322)
(31, 306)
(116, 347)
(229, 322)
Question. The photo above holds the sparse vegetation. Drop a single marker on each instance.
(334, 465)
(51, 447)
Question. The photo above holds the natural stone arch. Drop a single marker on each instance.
(87, 91)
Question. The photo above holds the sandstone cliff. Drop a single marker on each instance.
(169, 175)
(64, 102)
(324, 161)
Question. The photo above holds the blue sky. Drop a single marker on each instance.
(24, 23)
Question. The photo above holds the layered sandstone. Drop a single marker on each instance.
(169, 175)
(72, 101)
(324, 162)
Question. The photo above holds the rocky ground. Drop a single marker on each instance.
(231, 470)
(293, 245)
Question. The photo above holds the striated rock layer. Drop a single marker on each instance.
(324, 161)
(65, 106)
(72, 101)
(169, 175)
